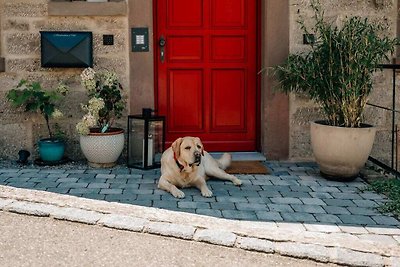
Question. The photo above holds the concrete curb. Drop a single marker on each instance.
(324, 244)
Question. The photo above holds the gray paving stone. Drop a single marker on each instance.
(308, 183)
(285, 200)
(295, 194)
(169, 229)
(123, 186)
(308, 208)
(385, 220)
(252, 206)
(328, 218)
(280, 207)
(349, 189)
(297, 217)
(110, 191)
(223, 206)
(123, 222)
(339, 202)
(46, 185)
(58, 190)
(217, 237)
(225, 199)
(22, 185)
(350, 196)
(94, 196)
(321, 195)
(356, 219)
(371, 196)
(275, 188)
(255, 244)
(325, 189)
(240, 215)
(148, 197)
(269, 216)
(243, 193)
(77, 191)
(258, 200)
(73, 185)
(366, 203)
(300, 188)
(105, 175)
(36, 209)
(261, 182)
(313, 201)
(82, 175)
(209, 212)
(98, 185)
(193, 205)
(268, 194)
(362, 211)
(336, 210)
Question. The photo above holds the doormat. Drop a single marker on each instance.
(247, 167)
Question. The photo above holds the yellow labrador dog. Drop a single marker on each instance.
(186, 164)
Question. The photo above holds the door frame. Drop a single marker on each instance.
(258, 66)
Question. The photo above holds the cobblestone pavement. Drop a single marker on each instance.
(293, 192)
(292, 211)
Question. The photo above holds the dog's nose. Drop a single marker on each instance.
(197, 154)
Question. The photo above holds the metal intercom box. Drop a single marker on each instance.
(140, 39)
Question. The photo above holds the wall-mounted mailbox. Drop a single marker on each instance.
(140, 39)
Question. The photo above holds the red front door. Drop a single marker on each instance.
(206, 71)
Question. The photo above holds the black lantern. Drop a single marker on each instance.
(146, 140)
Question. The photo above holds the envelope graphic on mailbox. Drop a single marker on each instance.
(66, 49)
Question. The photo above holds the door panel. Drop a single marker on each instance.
(206, 78)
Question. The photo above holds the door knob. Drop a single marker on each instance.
(162, 44)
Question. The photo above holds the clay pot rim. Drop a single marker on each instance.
(111, 131)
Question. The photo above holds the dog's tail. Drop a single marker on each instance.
(224, 161)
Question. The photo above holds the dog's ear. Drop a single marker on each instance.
(176, 147)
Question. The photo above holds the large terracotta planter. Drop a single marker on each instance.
(102, 150)
(339, 151)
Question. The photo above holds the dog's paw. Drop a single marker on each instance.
(237, 182)
(206, 193)
(178, 194)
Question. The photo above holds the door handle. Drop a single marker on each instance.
(162, 42)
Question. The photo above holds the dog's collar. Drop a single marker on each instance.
(180, 166)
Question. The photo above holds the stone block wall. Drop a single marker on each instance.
(21, 22)
(302, 110)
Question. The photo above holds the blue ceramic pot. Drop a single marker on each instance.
(51, 149)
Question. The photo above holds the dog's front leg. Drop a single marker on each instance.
(167, 186)
(202, 186)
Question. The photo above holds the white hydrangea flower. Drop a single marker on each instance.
(57, 114)
(82, 128)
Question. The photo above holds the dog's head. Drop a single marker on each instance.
(188, 152)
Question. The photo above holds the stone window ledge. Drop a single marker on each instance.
(82, 8)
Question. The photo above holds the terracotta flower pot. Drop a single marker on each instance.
(102, 150)
(339, 151)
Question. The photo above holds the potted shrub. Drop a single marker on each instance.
(34, 98)
(337, 73)
(100, 142)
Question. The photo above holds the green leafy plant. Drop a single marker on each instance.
(337, 71)
(390, 188)
(34, 98)
(105, 101)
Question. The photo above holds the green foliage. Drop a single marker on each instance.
(391, 188)
(34, 98)
(337, 71)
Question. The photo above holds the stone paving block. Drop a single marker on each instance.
(261, 182)
(75, 171)
(46, 184)
(328, 218)
(290, 177)
(309, 178)
(58, 190)
(298, 217)
(123, 186)
(280, 207)
(225, 199)
(269, 216)
(57, 175)
(308, 183)
(299, 250)
(285, 200)
(105, 175)
(223, 206)
(240, 215)
(145, 203)
(350, 196)
(295, 194)
(351, 229)
(275, 188)
(77, 191)
(90, 176)
(339, 202)
(209, 212)
(258, 200)
(76, 215)
(123, 222)
(148, 197)
(67, 180)
(9, 170)
(355, 258)
(5, 202)
(169, 229)
(387, 230)
(321, 195)
(322, 228)
(99, 185)
(299, 188)
(336, 210)
(268, 194)
(349, 189)
(217, 237)
(29, 171)
(202, 199)
(308, 208)
(313, 201)
(379, 240)
(18, 180)
(73, 185)
(385, 220)
(366, 203)
(22, 185)
(255, 244)
(356, 219)
(117, 181)
(243, 193)
(147, 186)
(193, 205)
(110, 191)
(94, 196)
(372, 196)
(325, 189)
(363, 211)
(98, 171)
(252, 206)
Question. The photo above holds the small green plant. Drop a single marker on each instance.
(390, 188)
(34, 98)
(337, 72)
(105, 101)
